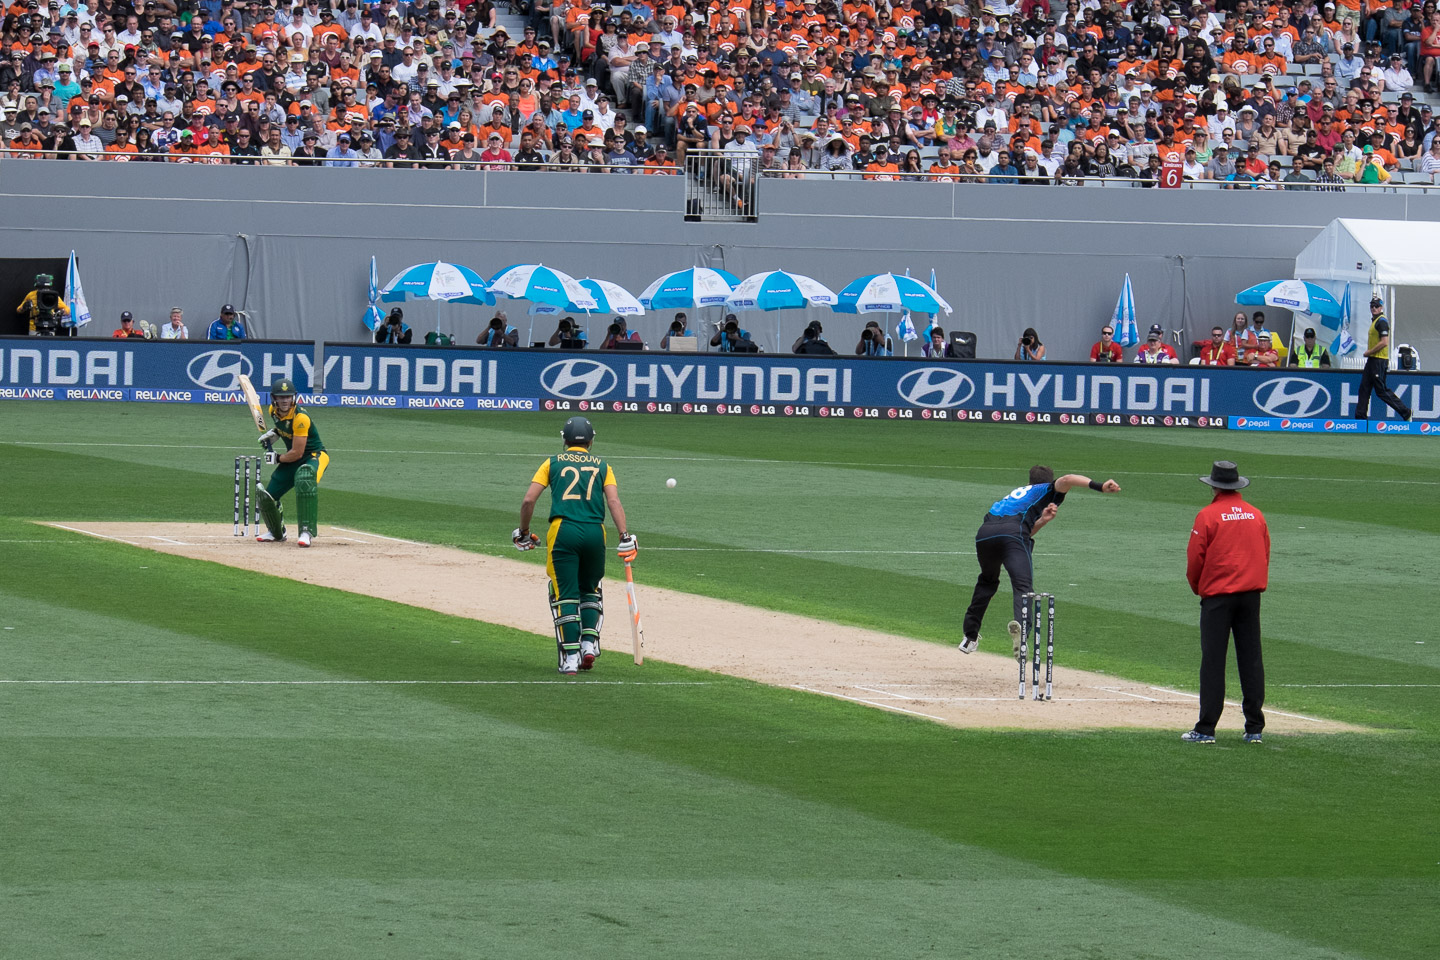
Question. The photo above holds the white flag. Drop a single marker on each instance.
(905, 330)
(75, 295)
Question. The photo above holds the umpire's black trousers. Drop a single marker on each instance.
(1220, 616)
(1373, 379)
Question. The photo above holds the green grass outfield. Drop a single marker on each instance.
(679, 813)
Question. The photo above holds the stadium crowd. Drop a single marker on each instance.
(1291, 94)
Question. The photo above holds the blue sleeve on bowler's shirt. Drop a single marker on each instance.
(1021, 500)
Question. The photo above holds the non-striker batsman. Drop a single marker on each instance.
(581, 487)
(300, 465)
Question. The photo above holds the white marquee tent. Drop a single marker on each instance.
(1397, 259)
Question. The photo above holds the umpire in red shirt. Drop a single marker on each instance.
(1228, 566)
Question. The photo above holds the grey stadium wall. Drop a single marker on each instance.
(292, 246)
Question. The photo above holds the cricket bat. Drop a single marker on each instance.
(637, 632)
(252, 400)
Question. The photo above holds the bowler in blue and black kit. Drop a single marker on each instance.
(1006, 538)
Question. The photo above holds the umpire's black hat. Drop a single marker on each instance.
(1224, 475)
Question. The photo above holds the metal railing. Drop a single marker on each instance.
(722, 185)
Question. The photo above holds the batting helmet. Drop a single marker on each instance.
(578, 432)
(282, 388)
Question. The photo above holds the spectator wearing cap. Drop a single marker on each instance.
(1155, 349)
(87, 145)
(128, 329)
(1398, 78)
(1309, 354)
(227, 326)
(402, 154)
(175, 328)
(495, 156)
(342, 155)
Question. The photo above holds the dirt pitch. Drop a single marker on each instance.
(880, 670)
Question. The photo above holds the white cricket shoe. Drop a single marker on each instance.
(969, 644)
(570, 665)
(265, 536)
(304, 539)
(1014, 627)
(589, 650)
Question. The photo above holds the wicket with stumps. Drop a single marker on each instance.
(1033, 606)
(250, 514)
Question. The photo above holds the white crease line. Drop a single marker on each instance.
(868, 703)
(1338, 686)
(92, 533)
(359, 683)
(886, 693)
(801, 463)
(378, 536)
(1236, 703)
(178, 543)
(1124, 693)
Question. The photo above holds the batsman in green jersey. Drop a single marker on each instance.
(581, 487)
(300, 465)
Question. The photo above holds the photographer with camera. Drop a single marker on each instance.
(499, 333)
(1106, 350)
(731, 338)
(1030, 347)
(617, 333)
(128, 330)
(566, 330)
(873, 342)
(393, 329)
(44, 308)
(812, 343)
(678, 328)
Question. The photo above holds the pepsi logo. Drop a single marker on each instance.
(1380, 427)
(1240, 421)
(1424, 428)
(1284, 424)
(1329, 424)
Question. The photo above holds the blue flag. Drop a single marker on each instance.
(1344, 341)
(372, 312)
(1127, 331)
(905, 330)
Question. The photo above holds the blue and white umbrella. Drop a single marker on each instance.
(778, 290)
(1294, 295)
(609, 298)
(373, 315)
(75, 295)
(541, 284)
(449, 282)
(696, 287)
(888, 293)
(1127, 329)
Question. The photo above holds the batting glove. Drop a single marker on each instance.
(272, 458)
(524, 540)
(627, 547)
(267, 438)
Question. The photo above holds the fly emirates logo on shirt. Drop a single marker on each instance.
(1237, 514)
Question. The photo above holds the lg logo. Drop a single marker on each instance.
(578, 379)
(1291, 397)
(935, 387)
(218, 369)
